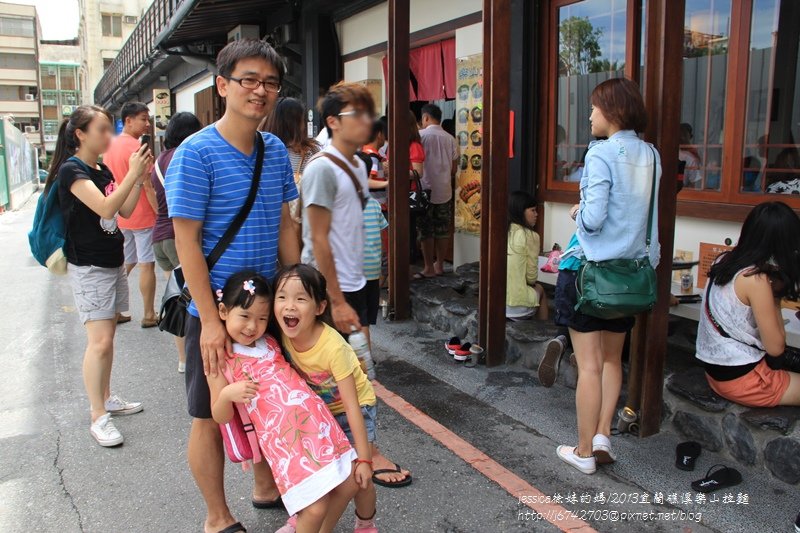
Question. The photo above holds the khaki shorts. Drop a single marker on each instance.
(138, 246)
(166, 255)
(100, 293)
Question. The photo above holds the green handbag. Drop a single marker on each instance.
(619, 288)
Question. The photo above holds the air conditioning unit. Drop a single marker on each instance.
(30, 98)
(30, 129)
(244, 31)
(130, 19)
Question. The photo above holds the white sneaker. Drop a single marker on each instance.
(105, 432)
(587, 465)
(601, 449)
(119, 407)
(181, 367)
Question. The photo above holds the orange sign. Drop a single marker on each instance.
(708, 254)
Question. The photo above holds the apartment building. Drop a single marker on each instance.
(19, 38)
(104, 27)
(62, 87)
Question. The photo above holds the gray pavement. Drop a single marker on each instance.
(54, 478)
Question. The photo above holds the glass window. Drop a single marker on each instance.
(591, 49)
(51, 128)
(47, 75)
(112, 25)
(18, 61)
(67, 75)
(16, 27)
(771, 156)
(705, 69)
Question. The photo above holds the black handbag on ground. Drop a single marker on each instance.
(176, 299)
(418, 199)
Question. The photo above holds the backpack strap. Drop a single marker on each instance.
(347, 170)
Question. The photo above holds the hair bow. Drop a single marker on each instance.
(249, 287)
(219, 295)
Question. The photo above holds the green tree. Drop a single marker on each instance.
(579, 46)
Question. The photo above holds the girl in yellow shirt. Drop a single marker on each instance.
(525, 297)
(330, 367)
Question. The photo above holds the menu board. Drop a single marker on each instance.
(708, 254)
(469, 134)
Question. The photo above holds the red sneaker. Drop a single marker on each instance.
(452, 345)
(462, 352)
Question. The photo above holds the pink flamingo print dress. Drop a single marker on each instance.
(306, 449)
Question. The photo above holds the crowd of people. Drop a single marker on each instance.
(269, 322)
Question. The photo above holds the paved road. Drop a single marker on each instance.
(53, 478)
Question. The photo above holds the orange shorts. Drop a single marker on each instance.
(761, 387)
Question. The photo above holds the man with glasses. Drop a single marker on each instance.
(207, 184)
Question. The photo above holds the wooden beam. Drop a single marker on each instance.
(494, 179)
(665, 20)
(399, 239)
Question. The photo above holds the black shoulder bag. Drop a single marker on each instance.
(176, 299)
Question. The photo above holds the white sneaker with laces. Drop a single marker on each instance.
(601, 449)
(105, 432)
(119, 407)
(587, 465)
(181, 367)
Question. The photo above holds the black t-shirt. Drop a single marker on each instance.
(91, 240)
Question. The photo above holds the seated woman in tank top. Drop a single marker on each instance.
(741, 337)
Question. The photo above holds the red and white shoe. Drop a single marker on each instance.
(462, 353)
(452, 345)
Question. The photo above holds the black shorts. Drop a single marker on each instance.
(373, 301)
(568, 317)
(197, 392)
(358, 301)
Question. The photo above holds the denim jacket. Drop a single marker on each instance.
(615, 199)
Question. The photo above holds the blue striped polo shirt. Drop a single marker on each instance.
(208, 180)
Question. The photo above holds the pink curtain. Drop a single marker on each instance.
(411, 94)
(426, 64)
(449, 62)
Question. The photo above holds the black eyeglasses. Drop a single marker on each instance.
(252, 84)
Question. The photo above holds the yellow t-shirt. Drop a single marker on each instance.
(329, 361)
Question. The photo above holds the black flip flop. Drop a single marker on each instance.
(394, 485)
(686, 453)
(234, 528)
(721, 478)
(277, 502)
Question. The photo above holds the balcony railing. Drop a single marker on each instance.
(137, 50)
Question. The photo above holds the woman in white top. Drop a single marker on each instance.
(741, 337)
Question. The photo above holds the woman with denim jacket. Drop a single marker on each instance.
(611, 221)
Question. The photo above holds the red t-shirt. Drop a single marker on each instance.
(416, 153)
(117, 159)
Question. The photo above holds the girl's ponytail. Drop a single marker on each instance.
(67, 143)
(63, 151)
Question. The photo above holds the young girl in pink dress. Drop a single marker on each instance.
(309, 454)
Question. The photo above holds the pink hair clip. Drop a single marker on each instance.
(219, 295)
(249, 287)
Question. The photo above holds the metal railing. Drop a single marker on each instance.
(137, 50)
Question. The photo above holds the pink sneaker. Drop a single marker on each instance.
(289, 526)
(365, 526)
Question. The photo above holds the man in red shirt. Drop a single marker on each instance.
(138, 228)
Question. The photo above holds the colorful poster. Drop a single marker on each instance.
(469, 134)
(162, 102)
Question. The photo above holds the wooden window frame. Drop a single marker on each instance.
(729, 203)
